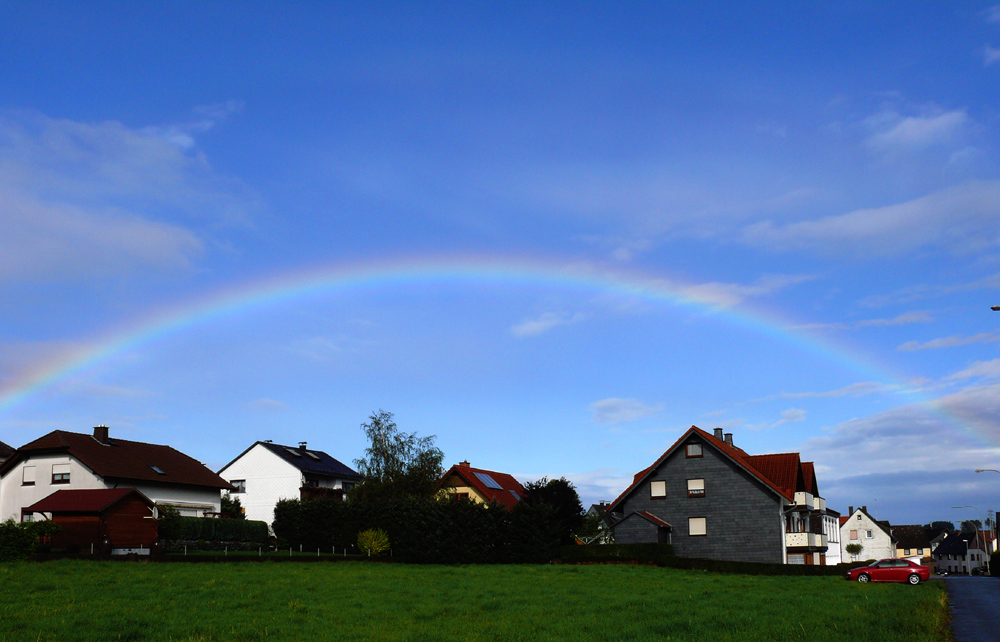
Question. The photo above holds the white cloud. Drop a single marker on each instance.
(616, 411)
(965, 217)
(604, 484)
(990, 55)
(96, 199)
(949, 342)
(727, 295)
(903, 319)
(545, 322)
(893, 132)
(790, 416)
(978, 370)
(992, 14)
(854, 390)
(268, 404)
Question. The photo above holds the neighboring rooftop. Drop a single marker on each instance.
(5, 451)
(912, 536)
(121, 459)
(93, 500)
(499, 487)
(309, 461)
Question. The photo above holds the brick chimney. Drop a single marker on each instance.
(101, 434)
(718, 434)
(729, 439)
(850, 510)
(464, 463)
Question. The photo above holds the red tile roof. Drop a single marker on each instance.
(781, 473)
(83, 501)
(653, 518)
(122, 459)
(509, 494)
(809, 474)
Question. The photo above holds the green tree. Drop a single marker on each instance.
(971, 526)
(232, 508)
(561, 495)
(396, 464)
(854, 550)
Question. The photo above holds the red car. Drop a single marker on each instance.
(891, 570)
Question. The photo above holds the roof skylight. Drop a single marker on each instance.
(312, 454)
(489, 481)
(293, 452)
(156, 469)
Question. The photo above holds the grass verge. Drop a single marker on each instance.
(352, 601)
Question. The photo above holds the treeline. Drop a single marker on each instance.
(426, 530)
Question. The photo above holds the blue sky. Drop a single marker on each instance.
(553, 235)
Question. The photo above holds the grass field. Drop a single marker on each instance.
(79, 600)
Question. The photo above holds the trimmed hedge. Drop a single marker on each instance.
(18, 540)
(221, 530)
(662, 555)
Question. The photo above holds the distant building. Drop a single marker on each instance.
(482, 486)
(875, 536)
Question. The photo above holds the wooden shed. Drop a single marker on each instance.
(107, 519)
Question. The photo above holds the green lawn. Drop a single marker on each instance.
(102, 601)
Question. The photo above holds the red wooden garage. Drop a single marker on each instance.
(109, 519)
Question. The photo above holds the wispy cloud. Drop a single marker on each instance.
(616, 411)
(990, 55)
(950, 342)
(545, 322)
(992, 14)
(961, 218)
(906, 318)
(95, 199)
(893, 132)
(790, 416)
(727, 295)
(860, 389)
(268, 404)
(978, 370)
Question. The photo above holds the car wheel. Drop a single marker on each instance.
(914, 579)
(864, 579)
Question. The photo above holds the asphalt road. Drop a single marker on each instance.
(975, 608)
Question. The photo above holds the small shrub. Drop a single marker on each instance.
(18, 540)
(374, 540)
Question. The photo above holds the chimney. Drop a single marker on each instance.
(850, 510)
(303, 444)
(718, 434)
(729, 439)
(864, 508)
(101, 434)
(464, 463)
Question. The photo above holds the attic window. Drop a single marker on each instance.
(489, 481)
(293, 452)
(693, 450)
(311, 454)
(156, 469)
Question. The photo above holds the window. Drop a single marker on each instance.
(696, 526)
(240, 484)
(868, 535)
(906, 551)
(157, 470)
(658, 489)
(696, 488)
(854, 534)
(859, 517)
(693, 450)
(60, 473)
(28, 476)
(346, 486)
(920, 551)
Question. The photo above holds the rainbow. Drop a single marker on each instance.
(327, 279)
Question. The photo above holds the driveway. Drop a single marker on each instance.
(975, 616)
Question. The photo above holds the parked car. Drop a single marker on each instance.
(890, 570)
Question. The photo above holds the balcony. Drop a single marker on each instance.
(806, 540)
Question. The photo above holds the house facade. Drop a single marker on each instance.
(482, 486)
(912, 543)
(712, 500)
(963, 553)
(71, 461)
(874, 536)
(265, 473)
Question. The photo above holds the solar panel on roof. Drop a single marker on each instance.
(515, 495)
(489, 481)
(293, 452)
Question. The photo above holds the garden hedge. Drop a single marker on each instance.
(221, 530)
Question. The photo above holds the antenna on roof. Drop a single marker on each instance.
(302, 444)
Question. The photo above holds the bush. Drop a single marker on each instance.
(373, 541)
(18, 540)
(176, 527)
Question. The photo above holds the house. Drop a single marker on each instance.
(462, 481)
(112, 520)
(604, 521)
(266, 473)
(5, 452)
(912, 543)
(76, 461)
(963, 553)
(712, 500)
(875, 536)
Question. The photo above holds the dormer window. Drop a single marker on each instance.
(693, 450)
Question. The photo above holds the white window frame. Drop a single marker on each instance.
(27, 475)
(657, 489)
(696, 488)
(697, 526)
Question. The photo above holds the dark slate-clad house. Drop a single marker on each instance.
(712, 500)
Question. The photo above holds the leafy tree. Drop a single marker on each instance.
(561, 495)
(854, 550)
(232, 508)
(949, 526)
(971, 526)
(396, 464)
(169, 522)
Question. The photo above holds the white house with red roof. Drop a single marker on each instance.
(71, 461)
(712, 500)
(875, 536)
(462, 481)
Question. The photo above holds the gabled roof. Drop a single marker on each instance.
(910, 536)
(652, 518)
(509, 494)
(783, 471)
(84, 501)
(954, 544)
(5, 451)
(313, 462)
(809, 475)
(122, 459)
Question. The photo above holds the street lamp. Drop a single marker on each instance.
(977, 536)
(991, 470)
(995, 308)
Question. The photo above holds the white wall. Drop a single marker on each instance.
(878, 547)
(269, 478)
(831, 528)
(14, 495)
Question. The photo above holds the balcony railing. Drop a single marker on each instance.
(793, 540)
